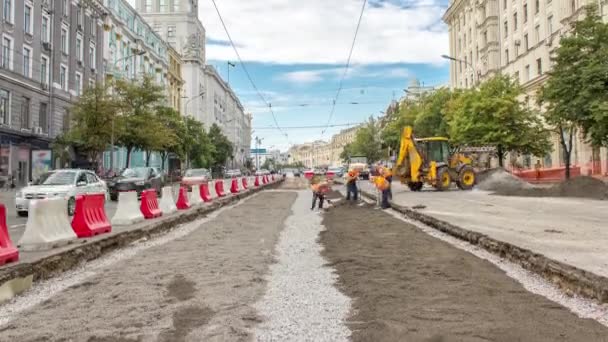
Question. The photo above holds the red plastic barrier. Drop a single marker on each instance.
(330, 174)
(90, 216)
(547, 175)
(183, 202)
(149, 204)
(219, 188)
(264, 179)
(244, 181)
(204, 190)
(273, 178)
(308, 174)
(257, 181)
(8, 251)
(234, 186)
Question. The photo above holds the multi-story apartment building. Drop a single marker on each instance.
(517, 38)
(49, 53)
(175, 82)
(321, 153)
(132, 49)
(208, 98)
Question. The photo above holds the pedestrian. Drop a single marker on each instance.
(383, 185)
(351, 186)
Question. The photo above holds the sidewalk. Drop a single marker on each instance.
(572, 231)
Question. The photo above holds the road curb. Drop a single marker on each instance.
(571, 279)
(66, 259)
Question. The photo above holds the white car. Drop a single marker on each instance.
(65, 183)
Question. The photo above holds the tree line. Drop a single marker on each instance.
(499, 113)
(137, 115)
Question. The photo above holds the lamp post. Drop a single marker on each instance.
(230, 64)
(138, 53)
(475, 77)
(192, 99)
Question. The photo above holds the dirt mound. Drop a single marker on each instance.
(579, 187)
(500, 180)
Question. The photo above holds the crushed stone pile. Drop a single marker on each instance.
(582, 186)
(500, 180)
(502, 183)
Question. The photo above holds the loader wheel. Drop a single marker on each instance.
(466, 178)
(443, 179)
(415, 186)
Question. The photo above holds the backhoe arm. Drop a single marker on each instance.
(408, 151)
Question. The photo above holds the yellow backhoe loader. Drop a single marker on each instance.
(431, 161)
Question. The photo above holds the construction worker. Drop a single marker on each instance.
(383, 186)
(317, 193)
(351, 185)
(388, 175)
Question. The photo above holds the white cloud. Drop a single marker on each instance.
(317, 75)
(321, 31)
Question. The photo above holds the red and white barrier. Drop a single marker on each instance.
(256, 183)
(167, 204)
(244, 181)
(195, 196)
(219, 188)
(234, 186)
(205, 194)
(8, 252)
(183, 202)
(90, 216)
(149, 204)
(47, 225)
(127, 211)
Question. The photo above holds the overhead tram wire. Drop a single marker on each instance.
(307, 127)
(350, 54)
(236, 51)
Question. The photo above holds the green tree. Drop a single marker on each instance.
(576, 94)
(404, 115)
(367, 142)
(91, 125)
(346, 152)
(269, 164)
(196, 144)
(431, 115)
(223, 146)
(173, 125)
(138, 101)
(493, 115)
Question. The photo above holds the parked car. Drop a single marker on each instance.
(63, 183)
(136, 179)
(262, 172)
(336, 171)
(195, 177)
(232, 173)
(294, 172)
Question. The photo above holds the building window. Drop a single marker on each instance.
(27, 19)
(64, 40)
(526, 45)
(148, 5)
(573, 6)
(516, 76)
(506, 56)
(42, 117)
(516, 47)
(171, 31)
(78, 82)
(537, 33)
(7, 53)
(91, 83)
(63, 77)
(527, 72)
(525, 13)
(5, 106)
(7, 11)
(80, 17)
(27, 61)
(506, 27)
(45, 34)
(25, 113)
(79, 49)
(504, 4)
(65, 5)
(485, 38)
(44, 70)
(163, 5)
(550, 24)
(539, 66)
(92, 56)
(175, 6)
(536, 6)
(93, 28)
(515, 21)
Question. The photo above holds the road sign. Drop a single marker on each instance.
(258, 151)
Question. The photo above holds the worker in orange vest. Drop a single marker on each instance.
(351, 185)
(383, 185)
(388, 175)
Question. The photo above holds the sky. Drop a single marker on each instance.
(296, 52)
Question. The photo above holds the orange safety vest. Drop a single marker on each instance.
(381, 183)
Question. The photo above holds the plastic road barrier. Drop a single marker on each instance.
(244, 181)
(149, 204)
(47, 225)
(195, 196)
(234, 186)
(205, 195)
(256, 183)
(167, 204)
(183, 202)
(127, 211)
(219, 188)
(90, 216)
(8, 251)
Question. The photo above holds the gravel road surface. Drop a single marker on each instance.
(198, 287)
(408, 286)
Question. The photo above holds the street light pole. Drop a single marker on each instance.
(112, 156)
(230, 64)
(191, 99)
(475, 76)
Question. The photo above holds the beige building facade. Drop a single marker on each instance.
(322, 153)
(517, 38)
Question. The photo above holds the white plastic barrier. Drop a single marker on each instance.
(127, 211)
(195, 195)
(167, 204)
(48, 225)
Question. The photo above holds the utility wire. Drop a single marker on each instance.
(350, 54)
(245, 68)
(305, 127)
